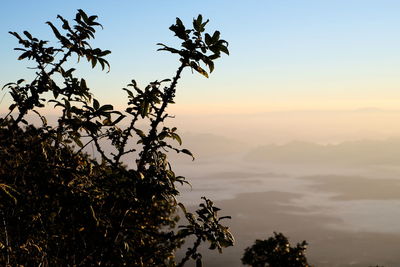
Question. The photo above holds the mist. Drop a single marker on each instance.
(330, 178)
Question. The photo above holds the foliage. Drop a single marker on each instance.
(276, 251)
(63, 207)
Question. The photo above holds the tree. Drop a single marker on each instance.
(61, 206)
(275, 251)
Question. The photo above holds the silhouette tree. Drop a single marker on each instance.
(60, 206)
(275, 251)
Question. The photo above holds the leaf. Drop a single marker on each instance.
(94, 62)
(167, 48)
(203, 25)
(224, 49)
(201, 71)
(7, 84)
(199, 263)
(12, 107)
(209, 63)
(27, 34)
(225, 217)
(144, 108)
(162, 135)
(211, 66)
(182, 207)
(16, 35)
(96, 104)
(65, 25)
(140, 133)
(105, 108)
(214, 56)
(101, 61)
(208, 39)
(105, 53)
(129, 92)
(120, 118)
(197, 23)
(77, 141)
(215, 36)
(179, 30)
(83, 15)
(55, 31)
(176, 137)
(107, 122)
(92, 18)
(185, 151)
(83, 84)
(69, 72)
(24, 55)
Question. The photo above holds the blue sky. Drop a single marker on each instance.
(285, 55)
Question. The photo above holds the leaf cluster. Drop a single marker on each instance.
(205, 226)
(197, 46)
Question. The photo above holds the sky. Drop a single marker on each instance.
(287, 55)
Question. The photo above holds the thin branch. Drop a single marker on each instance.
(169, 94)
(190, 252)
(6, 236)
(121, 150)
(100, 150)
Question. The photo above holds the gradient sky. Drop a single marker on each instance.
(285, 55)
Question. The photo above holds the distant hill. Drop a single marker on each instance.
(356, 152)
(206, 145)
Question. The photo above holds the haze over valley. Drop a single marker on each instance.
(342, 197)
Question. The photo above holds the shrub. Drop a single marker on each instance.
(275, 251)
(61, 206)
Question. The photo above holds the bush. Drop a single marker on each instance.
(275, 251)
(61, 206)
